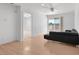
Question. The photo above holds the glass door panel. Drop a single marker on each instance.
(54, 24)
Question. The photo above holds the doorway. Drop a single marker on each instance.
(26, 25)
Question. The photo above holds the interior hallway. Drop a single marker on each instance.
(38, 46)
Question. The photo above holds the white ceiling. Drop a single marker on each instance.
(62, 7)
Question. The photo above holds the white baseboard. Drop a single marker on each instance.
(1, 43)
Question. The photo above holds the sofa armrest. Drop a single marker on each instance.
(46, 36)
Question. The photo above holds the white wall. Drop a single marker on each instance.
(19, 23)
(7, 23)
(68, 20)
(77, 17)
(39, 23)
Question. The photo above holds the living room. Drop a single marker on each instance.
(27, 24)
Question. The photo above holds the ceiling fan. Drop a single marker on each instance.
(50, 6)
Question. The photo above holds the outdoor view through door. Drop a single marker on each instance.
(55, 24)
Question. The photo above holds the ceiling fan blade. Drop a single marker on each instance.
(45, 5)
(50, 6)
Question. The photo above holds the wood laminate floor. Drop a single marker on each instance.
(38, 46)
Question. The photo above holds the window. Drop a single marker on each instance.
(55, 24)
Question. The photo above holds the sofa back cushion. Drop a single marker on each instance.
(63, 33)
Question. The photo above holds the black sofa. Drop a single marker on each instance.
(65, 37)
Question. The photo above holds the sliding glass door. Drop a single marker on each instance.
(55, 24)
